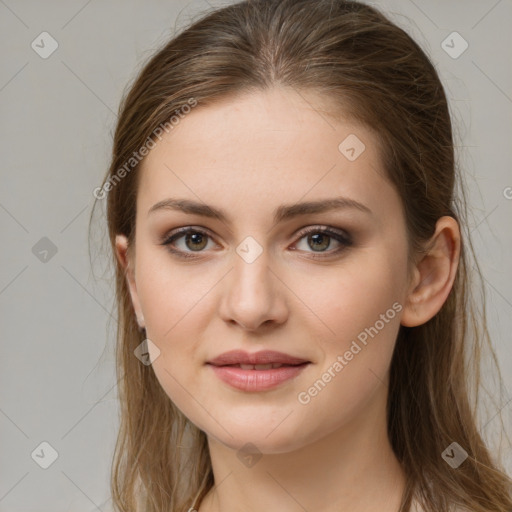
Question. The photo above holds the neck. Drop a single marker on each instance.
(351, 469)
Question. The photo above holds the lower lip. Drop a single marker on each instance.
(256, 380)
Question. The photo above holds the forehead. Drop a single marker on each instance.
(264, 146)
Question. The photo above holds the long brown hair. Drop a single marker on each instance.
(375, 72)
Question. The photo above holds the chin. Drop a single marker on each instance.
(261, 437)
(254, 443)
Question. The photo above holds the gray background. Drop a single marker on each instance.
(57, 375)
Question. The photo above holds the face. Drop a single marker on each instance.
(325, 287)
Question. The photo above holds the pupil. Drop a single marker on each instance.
(196, 238)
(320, 236)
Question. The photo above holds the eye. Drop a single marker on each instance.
(320, 239)
(194, 239)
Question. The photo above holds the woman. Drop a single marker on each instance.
(292, 273)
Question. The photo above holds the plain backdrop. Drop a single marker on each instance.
(57, 378)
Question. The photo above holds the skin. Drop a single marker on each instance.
(249, 155)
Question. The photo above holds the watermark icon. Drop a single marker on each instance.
(147, 352)
(454, 45)
(454, 455)
(249, 455)
(44, 45)
(304, 397)
(149, 143)
(351, 147)
(44, 250)
(44, 455)
(507, 192)
(248, 249)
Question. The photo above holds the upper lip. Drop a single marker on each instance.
(263, 357)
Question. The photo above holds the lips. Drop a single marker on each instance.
(264, 360)
(256, 372)
(269, 366)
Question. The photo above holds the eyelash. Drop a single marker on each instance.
(344, 239)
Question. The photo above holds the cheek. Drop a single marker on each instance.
(354, 296)
(363, 311)
(176, 310)
(360, 304)
(170, 295)
(363, 344)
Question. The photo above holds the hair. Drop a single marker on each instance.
(374, 73)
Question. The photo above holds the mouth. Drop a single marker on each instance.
(264, 360)
(256, 372)
(258, 367)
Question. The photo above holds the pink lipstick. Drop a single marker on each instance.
(259, 371)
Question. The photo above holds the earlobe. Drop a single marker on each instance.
(123, 256)
(433, 275)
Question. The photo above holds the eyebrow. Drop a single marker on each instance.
(282, 213)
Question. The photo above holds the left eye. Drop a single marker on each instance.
(318, 238)
(321, 239)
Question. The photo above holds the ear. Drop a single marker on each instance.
(433, 275)
(123, 256)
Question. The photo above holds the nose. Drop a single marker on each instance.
(253, 295)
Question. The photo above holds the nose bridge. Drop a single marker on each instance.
(251, 277)
(252, 296)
